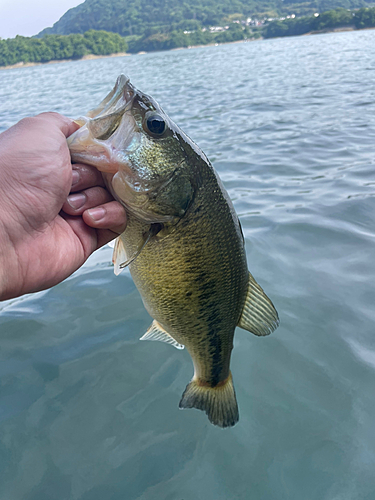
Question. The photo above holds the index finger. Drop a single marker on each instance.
(85, 176)
(65, 124)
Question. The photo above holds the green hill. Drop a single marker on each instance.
(73, 36)
(150, 17)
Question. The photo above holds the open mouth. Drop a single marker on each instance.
(116, 101)
(108, 132)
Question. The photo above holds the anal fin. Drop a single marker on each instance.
(259, 315)
(157, 332)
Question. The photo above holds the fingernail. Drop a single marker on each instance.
(75, 177)
(97, 213)
(76, 201)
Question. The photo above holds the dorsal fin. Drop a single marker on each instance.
(259, 315)
(157, 332)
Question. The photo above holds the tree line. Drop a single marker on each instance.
(58, 47)
(137, 17)
(152, 41)
(337, 18)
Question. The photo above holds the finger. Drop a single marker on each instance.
(104, 236)
(66, 125)
(85, 176)
(87, 237)
(111, 216)
(77, 203)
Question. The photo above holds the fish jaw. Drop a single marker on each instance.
(109, 132)
(116, 100)
(107, 155)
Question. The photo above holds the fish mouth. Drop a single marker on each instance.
(108, 132)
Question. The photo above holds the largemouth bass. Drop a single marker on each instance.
(183, 241)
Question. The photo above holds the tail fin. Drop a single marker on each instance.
(218, 402)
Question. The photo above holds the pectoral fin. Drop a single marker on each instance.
(258, 315)
(120, 257)
(157, 332)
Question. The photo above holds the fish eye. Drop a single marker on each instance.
(155, 124)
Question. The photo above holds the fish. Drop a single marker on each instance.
(183, 242)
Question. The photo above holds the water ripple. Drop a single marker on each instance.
(90, 413)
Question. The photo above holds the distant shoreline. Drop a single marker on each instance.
(119, 54)
(339, 30)
(333, 30)
(54, 61)
(122, 54)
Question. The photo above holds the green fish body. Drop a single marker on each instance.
(183, 242)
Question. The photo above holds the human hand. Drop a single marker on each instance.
(44, 235)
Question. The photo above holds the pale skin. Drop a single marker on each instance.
(53, 215)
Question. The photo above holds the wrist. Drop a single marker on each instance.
(6, 256)
(3, 266)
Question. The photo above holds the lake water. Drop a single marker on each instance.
(87, 412)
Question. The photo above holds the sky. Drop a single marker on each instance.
(28, 17)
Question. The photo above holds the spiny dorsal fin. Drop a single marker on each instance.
(157, 332)
(258, 315)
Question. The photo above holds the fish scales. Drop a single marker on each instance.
(183, 240)
(205, 256)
